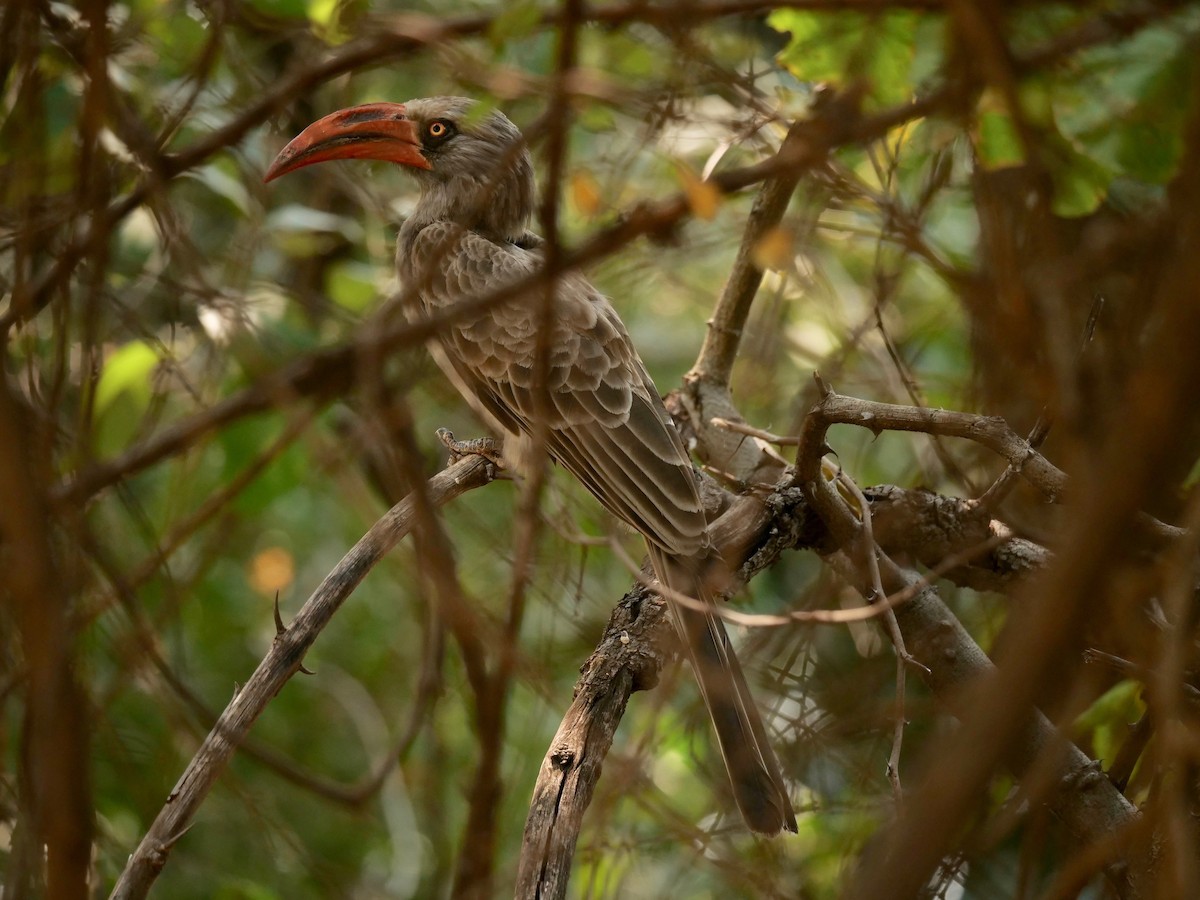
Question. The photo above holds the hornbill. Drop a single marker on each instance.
(602, 418)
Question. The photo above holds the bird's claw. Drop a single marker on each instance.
(1086, 775)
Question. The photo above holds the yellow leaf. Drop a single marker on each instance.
(774, 249)
(271, 570)
(326, 19)
(703, 196)
(585, 192)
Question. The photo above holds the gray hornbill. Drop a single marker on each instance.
(466, 238)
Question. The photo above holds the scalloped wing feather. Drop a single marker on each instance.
(607, 425)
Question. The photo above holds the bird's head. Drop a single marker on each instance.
(474, 171)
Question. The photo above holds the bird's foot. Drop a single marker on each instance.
(485, 447)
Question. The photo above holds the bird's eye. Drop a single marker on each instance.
(439, 129)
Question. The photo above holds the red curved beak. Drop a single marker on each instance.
(372, 131)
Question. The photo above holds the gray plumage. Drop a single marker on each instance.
(605, 422)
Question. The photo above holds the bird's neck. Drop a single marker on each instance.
(498, 208)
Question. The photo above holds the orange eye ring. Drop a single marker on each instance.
(438, 129)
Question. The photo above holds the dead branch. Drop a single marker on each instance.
(638, 641)
(282, 661)
(705, 389)
(953, 661)
(991, 432)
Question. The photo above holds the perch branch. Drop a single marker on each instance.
(637, 643)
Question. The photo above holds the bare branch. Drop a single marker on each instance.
(953, 660)
(714, 365)
(281, 662)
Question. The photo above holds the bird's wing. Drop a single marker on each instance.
(606, 423)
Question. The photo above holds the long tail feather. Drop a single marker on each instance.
(754, 772)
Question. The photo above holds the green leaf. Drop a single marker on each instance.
(1150, 138)
(127, 370)
(351, 284)
(323, 13)
(123, 395)
(1109, 717)
(514, 22)
(242, 443)
(289, 9)
(297, 217)
(623, 56)
(1080, 181)
(1078, 189)
(176, 40)
(997, 144)
(842, 49)
(1125, 107)
(597, 118)
(326, 17)
(303, 231)
(224, 185)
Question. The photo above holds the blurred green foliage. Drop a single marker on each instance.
(216, 280)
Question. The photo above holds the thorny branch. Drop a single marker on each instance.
(281, 662)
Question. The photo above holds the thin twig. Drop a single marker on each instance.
(999, 489)
(723, 337)
(871, 610)
(328, 372)
(902, 657)
(477, 861)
